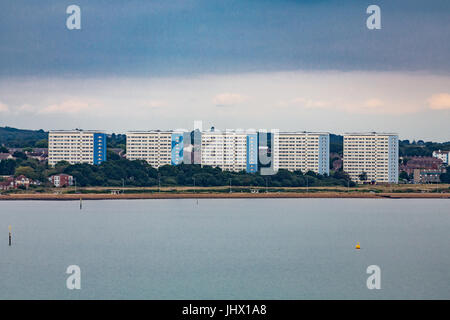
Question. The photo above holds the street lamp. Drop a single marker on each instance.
(159, 182)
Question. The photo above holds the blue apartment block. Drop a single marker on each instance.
(324, 154)
(177, 148)
(99, 148)
(252, 152)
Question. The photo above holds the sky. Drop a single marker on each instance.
(285, 64)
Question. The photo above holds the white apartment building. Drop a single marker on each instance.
(305, 151)
(376, 154)
(153, 146)
(443, 155)
(76, 146)
(227, 149)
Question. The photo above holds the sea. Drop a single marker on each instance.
(226, 249)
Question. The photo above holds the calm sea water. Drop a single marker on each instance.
(226, 249)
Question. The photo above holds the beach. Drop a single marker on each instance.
(236, 195)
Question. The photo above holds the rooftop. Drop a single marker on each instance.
(370, 134)
(77, 131)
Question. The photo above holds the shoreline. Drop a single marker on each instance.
(236, 195)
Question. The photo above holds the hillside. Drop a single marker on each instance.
(19, 138)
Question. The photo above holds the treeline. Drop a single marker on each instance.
(420, 148)
(336, 144)
(116, 141)
(120, 172)
(18, 138)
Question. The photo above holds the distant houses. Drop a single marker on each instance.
(17, 182)
(424, 169)
(23, 182)
(40, 154)
(6, 156)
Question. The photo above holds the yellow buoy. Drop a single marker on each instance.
(357, 246)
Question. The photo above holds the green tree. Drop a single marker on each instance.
(363, 176)
(28, 172)
(8, 167)
(43, 143)
(445, 177)
(20, 155)
(403, 176)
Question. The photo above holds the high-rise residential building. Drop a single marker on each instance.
(231, 150)
(156, 147)
(375, 154)
(76, 146)
(305, 151)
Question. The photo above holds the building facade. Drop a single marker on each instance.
(153, 146)
(305, 151)
(427, 175)
(422, 163)
(61, 180)
(233, 150)
(443, 155)
(230, 150)
(76, 146)
(375, 154)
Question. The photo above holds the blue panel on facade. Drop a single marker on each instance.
(99, 148)
(177, 148)
(252, 153)
(324, 154)
(393, 160)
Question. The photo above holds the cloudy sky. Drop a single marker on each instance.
(293, 65)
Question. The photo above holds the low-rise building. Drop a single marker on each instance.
(16, 182)
(7, 183)
(427, 176)
(421, 163)
(61, 180)
(6, 156)
(38, 155)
